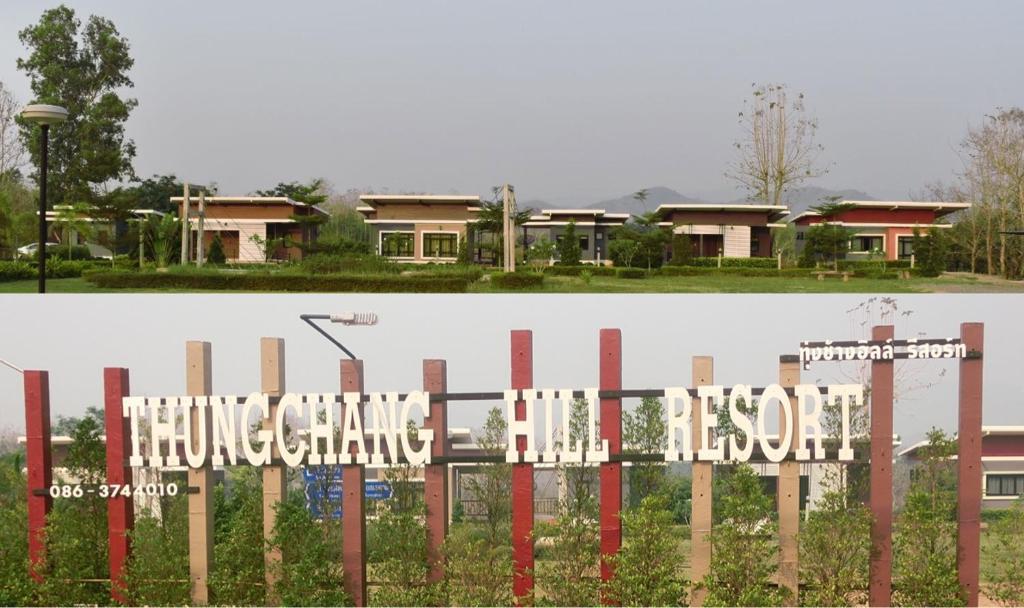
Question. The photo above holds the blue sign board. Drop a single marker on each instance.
(317, 479)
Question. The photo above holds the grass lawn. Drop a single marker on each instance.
(948, 283)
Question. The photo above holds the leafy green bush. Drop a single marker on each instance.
(924, 539)
(575, 271)
(16, 588)
(237, 576)
(55, 269)
(337, 246)
(469, 272)
(631, 273)
(648, 563)
(477, 572)
(216, 254)
(743, 560)
(734, 262)
(213, 280)
(309, 573)
(835, 545)
(682, 249)
(322, 263)
(157, 573)
(1006, 557)
(398, 553)
(569, 251)
(696, 271)
(873, 264)
(517, 280)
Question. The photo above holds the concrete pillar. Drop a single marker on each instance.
(880, 570)
(788, 489)
(353, 500)
(275, 476)
(522, 475)
(703, 372)
(198, 382)
(610, 472)
(435, 476)
(968, 542)
(120, 509)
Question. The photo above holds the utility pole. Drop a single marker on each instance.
(185, 204)
(200, 246)
(508, 196)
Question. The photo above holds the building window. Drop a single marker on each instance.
(866, 244)
(800, 236)
(1004, 484)
(906, 248)
(397, 244)
(440, 245)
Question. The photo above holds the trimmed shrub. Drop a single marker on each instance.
(216, 254)
(694, 271)
(323, 263)
(734, 262)
(56, 268)
(575, 271)
(856, 265)
(469, 272)
(517, 280)
(215, 281)
(631, 273)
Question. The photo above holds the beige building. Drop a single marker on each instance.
(733, 230)
(420, 228)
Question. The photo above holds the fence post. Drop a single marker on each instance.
(353, 500)
(121, 508)
(38, 461)
(522, 475)
(788, 489)
(703, 373)
(610, 371)
(880, 572)
(199, 382)
(272, 383)
(969, 478)
(435, 476)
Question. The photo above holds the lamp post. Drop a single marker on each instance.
(44, 116)
(346, 318)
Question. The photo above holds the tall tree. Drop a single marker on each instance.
(777, 151)
(12, 152)
(81, 69)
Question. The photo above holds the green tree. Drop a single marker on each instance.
(16, 588)
(643, 432)
(73, 219)
(924, 539)
(1005, 557)
(835, 545)
(157, 573)
(682, 249)
(571, 575)
(743, 559)
(477, 573)
(309, 573)
(81, 69)
(489, 485)
(828, 241)
(931, 251)
(216, 253)
(569, 251)
(490, 220)
(237, 574)
(647, 566)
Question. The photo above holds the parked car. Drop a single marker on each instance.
(29, 251)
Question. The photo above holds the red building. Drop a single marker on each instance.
(882, 227)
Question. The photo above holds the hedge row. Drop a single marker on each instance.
(278, 282)
(55, 269)
(694, 271)
(517, 280)
(575, 271)
(734, 262)
(631, 273)
(873, 264)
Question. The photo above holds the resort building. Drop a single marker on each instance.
(733, 230)
(1002, 464)
(593, 229)
(881, 228)
(420, 228)
(248, 224)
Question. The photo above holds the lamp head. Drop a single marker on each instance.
(355, 318)
(43, 114)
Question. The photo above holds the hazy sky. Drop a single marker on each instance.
(75, 336)
(570, 101)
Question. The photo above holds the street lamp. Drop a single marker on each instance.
(44, 116)
(345, 318)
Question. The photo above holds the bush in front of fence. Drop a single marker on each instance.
(733, 262)
(575, 271)
(517, 280)
(225, 281)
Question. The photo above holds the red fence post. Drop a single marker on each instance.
(353, 511)
(522, 475)
(120, 509)
(435, 476)
(880, 571)
(968, 559)
(610, 372)
(39, 464)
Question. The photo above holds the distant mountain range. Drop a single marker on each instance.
(798, 200)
